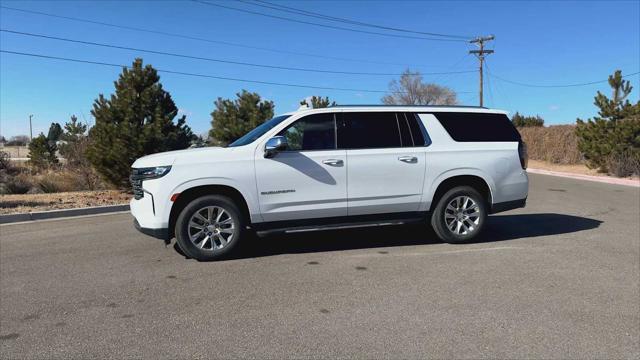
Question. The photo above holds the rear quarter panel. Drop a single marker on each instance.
(497, 163)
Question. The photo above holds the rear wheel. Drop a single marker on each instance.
(209, 227)
(459, 215)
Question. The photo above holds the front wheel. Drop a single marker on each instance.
(209, 227)
(459, 215)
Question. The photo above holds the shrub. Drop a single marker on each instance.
(526, 121)
(17, 185)
(5, 163)
(610, 141)
(48, 186)
(42, 152)
(555, 144)
(623, 164)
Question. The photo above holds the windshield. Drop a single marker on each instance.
(260, 130)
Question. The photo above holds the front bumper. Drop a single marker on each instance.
(161, 233)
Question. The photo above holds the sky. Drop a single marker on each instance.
(536, 43)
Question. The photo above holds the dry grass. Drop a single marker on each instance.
(554, 144)
(23, 203)
(16, 151)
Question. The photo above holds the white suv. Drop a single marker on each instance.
(332, 168)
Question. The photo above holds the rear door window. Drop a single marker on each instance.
(418, 133)
(368, 130)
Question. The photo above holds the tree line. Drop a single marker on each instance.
(141, 118)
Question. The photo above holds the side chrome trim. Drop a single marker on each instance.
(342, 226)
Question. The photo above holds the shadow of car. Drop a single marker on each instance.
(498, 228)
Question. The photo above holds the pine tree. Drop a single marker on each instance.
(42, 152)
(318, 102)
(74, 145)
(136, 120)
(55, 131)
(613, 135)
(233, 118)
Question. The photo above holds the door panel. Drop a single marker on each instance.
(385, 180)
(385, 172)
(302, 184)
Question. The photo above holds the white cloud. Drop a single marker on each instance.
(554, 107)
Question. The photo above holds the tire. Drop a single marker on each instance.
(206, 233)
(449, 223)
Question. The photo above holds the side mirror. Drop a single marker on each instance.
(274, 145)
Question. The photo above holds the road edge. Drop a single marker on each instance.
(601, 179)
(52, 214)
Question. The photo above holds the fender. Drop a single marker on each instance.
(248, 195)
(427, 196)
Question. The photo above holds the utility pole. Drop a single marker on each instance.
(480, 55)
(30, 128)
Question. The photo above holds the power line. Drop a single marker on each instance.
(195, 38)
(555, 86)
(499, 89)
(218, 60)
(324, 25)
(198, 75)
(283, 8)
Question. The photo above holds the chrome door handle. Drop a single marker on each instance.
(333, 162)
(408, 159)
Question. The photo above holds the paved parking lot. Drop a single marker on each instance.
(558, 279)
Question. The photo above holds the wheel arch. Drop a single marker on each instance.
(474, 180)
(189, 194)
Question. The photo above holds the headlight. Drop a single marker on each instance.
(151, 172)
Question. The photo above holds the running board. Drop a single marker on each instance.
(343, 226)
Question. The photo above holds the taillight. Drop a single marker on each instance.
(522, 153)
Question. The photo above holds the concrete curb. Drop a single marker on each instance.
(602, 179)
(52, 214)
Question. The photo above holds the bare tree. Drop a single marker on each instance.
(411, 90)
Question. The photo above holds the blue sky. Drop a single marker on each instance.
(537, 42)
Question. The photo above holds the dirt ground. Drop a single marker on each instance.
(16, 204)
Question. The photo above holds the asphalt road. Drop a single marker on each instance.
(558, 279)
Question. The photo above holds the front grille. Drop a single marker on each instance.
(136, 184)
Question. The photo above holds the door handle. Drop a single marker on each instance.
(408, 159)
(333, 162)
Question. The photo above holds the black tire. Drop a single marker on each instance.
(182, 228)
(439, 223)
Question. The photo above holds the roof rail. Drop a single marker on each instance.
(421, 106)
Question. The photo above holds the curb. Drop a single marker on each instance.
(52, 214)
(601, 179)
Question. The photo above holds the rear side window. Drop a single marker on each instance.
(367, 130)
(417, 132)
(479, 127)
(313, 132)
(405, 132)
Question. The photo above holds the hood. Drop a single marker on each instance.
(170, 157)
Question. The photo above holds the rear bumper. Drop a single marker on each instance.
(161, 233)
(508, 205)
